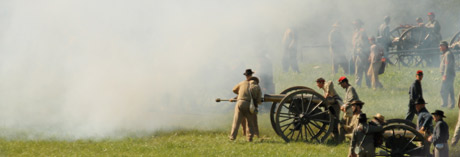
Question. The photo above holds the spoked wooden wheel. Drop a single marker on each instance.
(275, 104)
(304, 116)
(402, 140)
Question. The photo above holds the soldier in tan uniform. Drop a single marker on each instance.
(245, 94)
(375, 59)
(356, 106)
(257, 96)
(361, 53)
(330, 93)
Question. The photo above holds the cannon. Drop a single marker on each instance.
(300, 114)
(412, 46)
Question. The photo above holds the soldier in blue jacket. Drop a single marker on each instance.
(424, 121)
(440, 135)
(415, 92)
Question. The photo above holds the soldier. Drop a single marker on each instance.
(433, 37)
(290, 51)
(356, 106)
(375, 59)
(257, 98)
(440, 135)
(378, 120)
(424, 121)
(362, 142)
(330, 93)
(419, 21)
(361, 53)
(434, 29)
(350, 95)
(337, 49)
(383, 35)
(457, 127)
(245, 94)
(447, 68)
(415, 92)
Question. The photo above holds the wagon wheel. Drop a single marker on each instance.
(400, 122)
(394, 35)
(274, 105)
(410, 41)
(402, 140)
(304, 116)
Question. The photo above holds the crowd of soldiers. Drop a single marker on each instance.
(353, 121)
(368, 58)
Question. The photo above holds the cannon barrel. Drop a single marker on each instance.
(279, 97)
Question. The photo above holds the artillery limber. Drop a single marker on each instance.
(301, 114)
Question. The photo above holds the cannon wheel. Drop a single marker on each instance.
(397, 142)
(409, 40)
(274, 105)
(299, 118)
(401, 122)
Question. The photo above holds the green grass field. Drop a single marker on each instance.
(390, 101)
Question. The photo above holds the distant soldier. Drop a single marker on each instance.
(361, 53)
(440, 135)
(433, 37)
(330, 93)
(290, 51)
(337, 49)
(457, 127)
(375, 59)
(447, 69)
(419, 21)
(434, 29)
(242, 106)
(383, 35)
(362, 142)
(415, 92)
(424, 121)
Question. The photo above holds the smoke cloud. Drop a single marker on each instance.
(106, 68)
